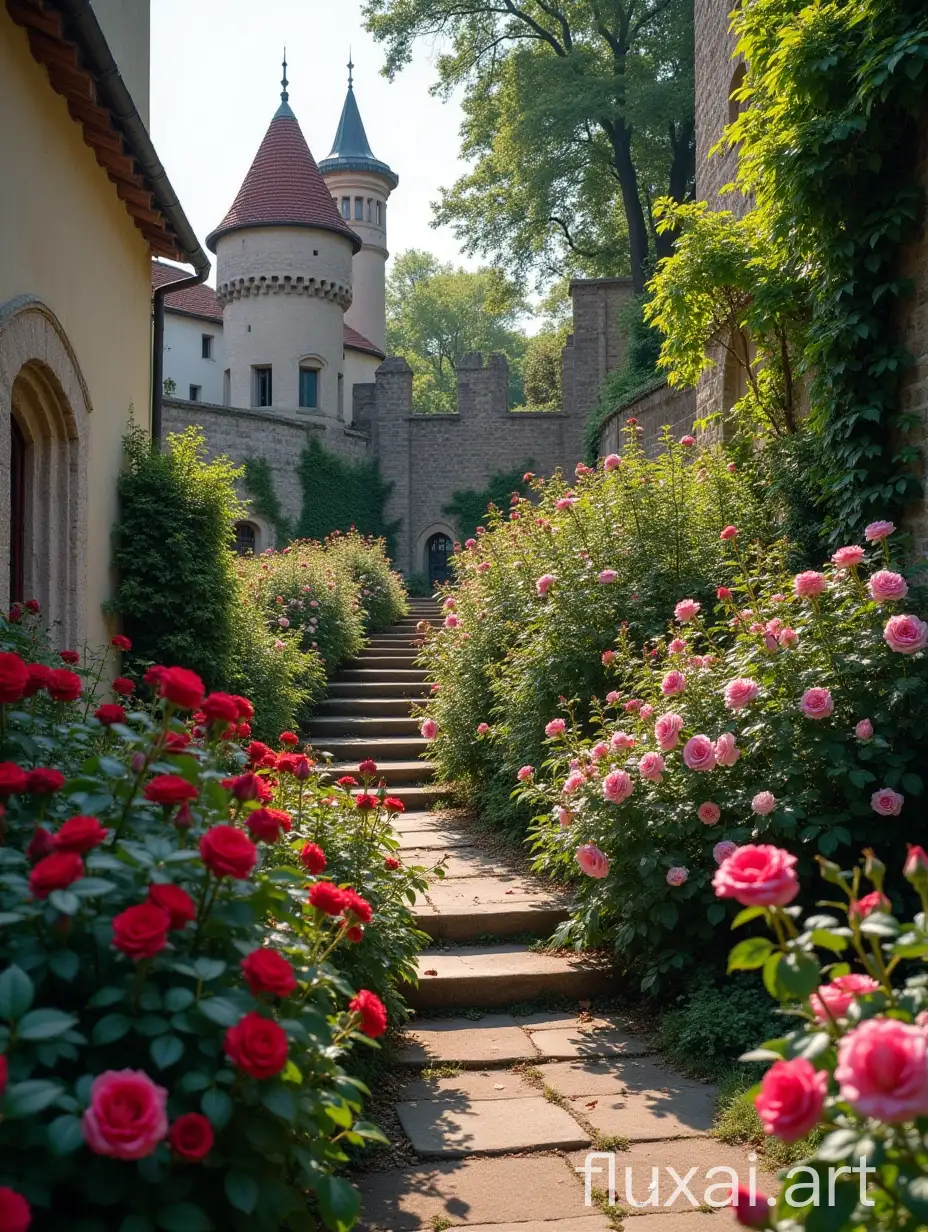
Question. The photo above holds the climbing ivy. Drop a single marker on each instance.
(467, 507)
(338, 495)
(260, 483)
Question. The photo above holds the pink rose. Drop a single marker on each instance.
(887, 587)
(834, 1000)
(687, 441)
(564, 502)
(874, 901)
(556, 727)
(730, 532)
(905, 634)
(651, 766)
(686, 609)
(482, 729)
(607, 576)
(127, 1117)
(791, 1097)
(677, 875)
(764, 802)
(544, 583)
(633, 705)
(622, 740)
(809, 584)
(451, 621)
(612, 462)
(677, 646)
(645, 712)
(758, 875)
(740, 692)
(617, 786)
(429, 729)
(673, 683)
(699, 753)
(525, 773)
(612, 697)
(882, 1070)
(721, 851)
(817, 703)
(878, 530)
(608, 656)
(864, 731)
(886, 802)
(592, 861)
(847, 558)
(708, 813)
(667, 731)
(787, 637)
(726, 749)
(564, 816)
(573, 781)
(450, 603)
(599, 751)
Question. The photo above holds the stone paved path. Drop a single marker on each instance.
(502, 1110)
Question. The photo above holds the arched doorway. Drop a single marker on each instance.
(439, 551)
(246, 538)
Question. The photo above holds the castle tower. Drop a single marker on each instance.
(361, 184)
(284, 278)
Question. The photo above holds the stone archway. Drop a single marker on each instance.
(429, 555)
(44, 429)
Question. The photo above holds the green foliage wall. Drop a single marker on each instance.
(260, 483)
(469, 508)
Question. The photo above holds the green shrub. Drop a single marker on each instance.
(381, 591)
(713, 1024)
(341, 495)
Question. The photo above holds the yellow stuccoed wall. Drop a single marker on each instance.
(65, 238)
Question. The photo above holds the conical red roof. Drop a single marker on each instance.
(284, 188)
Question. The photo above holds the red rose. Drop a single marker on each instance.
(355, 933)
(245, 709)
(14, 677)
(55, 872)
(3, 1073)
(38, 678)
(364, 801)
(127, 1117)
(44, 781)
(170, 789)
(13, 779)
(289, 737)
(181, 687)
(257, 752)
(394, 805)
(191, 1137)
(15, 1211)
(121, 642)
(41, 844)
(141, 931)
(268, 971)
(327, 897)
(33, 606)
(69, 656)
(176, 742)
(357, 906)
(16, 614)
(173, 899)
(228, 852)
(244, 786)
(287, 762)
(392, 863)
(257, 1046)
(154, 675)
(110, 713)
(265, 825)
(347, 780)
(220, 708)
(312, 857)
(242, 731)
(368, 766)
(63, 686)
(373, 1013)
(123, 686)
(79, 834)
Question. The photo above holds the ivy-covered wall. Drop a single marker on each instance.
(467, 507)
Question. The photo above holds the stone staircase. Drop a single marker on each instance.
(497, 1110)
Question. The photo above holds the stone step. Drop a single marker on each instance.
(380, 748)
(365, 709)
(456, 1127)
(380, 675)
(502, 974)
(360, 727)
(460, 909)
(393, 773)
(393, 689)
(432, 838)
(369, 658)
(419, 799)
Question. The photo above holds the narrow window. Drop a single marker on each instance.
(379, 214)
(206, 341)
(736, 105)
(309, 388)
(346, 207)
(227, 387)
(359, 209)
(263, 392)
(370, 209)
(341, 396)
(195, 391)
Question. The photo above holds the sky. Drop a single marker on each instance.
(215, 84)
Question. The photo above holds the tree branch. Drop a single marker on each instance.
(539, 29)
(581, 252)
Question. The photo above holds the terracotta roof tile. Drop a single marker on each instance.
(198, 301)
(284, 187)
(357, 342)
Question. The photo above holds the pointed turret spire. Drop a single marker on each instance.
(350, 71)
(351, 150)
(284, 108)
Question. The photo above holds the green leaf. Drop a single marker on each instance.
(338, 1112)
(750, 954)
(178, 998)
(798, 975)
(242, 1191)
(217, 1107)
(106, 996)
(370, 1132)
(339, 1203)
(166, 1050)
(16, 993)
(65, 901)
(280, 1100)
(111, 1028)
(45, 1024)
(65, 1135)
(829, 940)
(209, 968)
(183, 1217)
(840, 1144)
(748, 913)
(221, 1010)
(65, 964)
(27, 1098)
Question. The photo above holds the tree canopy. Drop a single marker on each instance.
(578, 114)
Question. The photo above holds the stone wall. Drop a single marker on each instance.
(599, 340)
(430, 457)
(657, 406)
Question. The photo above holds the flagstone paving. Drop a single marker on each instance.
(503, 1111)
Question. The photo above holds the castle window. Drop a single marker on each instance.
(359, 209)
(346, 207)
(206, 346)
(262, 392)
(309, 388)
(379, 214)
(195, 391)
(245, 538)
(370, 209)
(227, 387)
